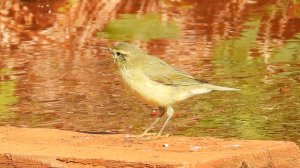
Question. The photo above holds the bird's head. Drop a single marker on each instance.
(124, 53)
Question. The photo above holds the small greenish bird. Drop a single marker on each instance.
(156, 81)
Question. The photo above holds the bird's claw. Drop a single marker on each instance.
(146, 136)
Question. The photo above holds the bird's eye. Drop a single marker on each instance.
(118, 54)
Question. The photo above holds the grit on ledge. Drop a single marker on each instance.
(39, 147)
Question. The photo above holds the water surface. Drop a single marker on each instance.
(56, 73)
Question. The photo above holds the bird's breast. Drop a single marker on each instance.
(152, 91)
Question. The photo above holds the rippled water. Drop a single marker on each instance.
(56, 73)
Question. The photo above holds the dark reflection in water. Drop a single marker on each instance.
(55, 72)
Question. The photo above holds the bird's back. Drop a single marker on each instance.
(159, 83)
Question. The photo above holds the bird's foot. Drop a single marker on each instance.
(141, 135)
(146, 136)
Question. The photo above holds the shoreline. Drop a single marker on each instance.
(41, 147)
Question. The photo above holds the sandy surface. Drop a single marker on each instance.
(37, 147)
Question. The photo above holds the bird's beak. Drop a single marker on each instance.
(112, 53)
(110, 50)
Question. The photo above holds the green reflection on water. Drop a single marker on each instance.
(260, 110)
(238, 48)
(290, 51)
(139, 27)
(7, 97)
(295, 1)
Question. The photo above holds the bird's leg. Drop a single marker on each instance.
(170, 113)
(162, 112)
(151, 126)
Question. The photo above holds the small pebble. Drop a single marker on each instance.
(233, 146)
(195, 148)
(166, 145)
(236, 146)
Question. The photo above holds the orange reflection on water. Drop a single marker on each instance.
(65, 78)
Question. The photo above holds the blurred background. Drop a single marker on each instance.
(56, 73)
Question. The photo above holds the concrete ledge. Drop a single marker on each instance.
(36, 147)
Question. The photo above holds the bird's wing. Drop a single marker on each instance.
(161, 72)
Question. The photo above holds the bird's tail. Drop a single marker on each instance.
(214, 87)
